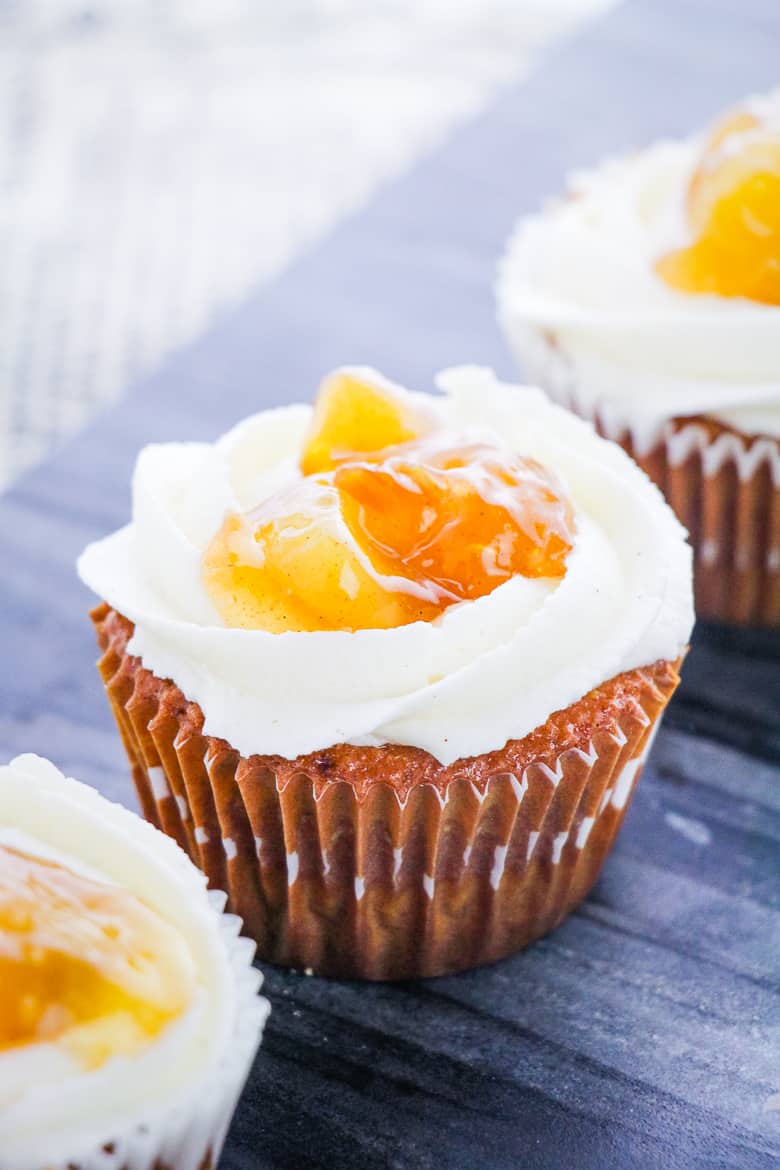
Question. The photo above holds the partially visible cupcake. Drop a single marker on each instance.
(129, 1013)
(648, 301)
(388, 669)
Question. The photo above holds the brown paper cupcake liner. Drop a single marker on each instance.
(723, 485)
(725, 488)
(380, 863)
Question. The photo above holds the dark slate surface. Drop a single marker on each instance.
(644, 1032)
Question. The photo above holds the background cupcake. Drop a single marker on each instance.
(398, 765)
(648, 301)
(129, 1015)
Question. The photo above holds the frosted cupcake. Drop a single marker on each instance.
(129, 1013)
(649, 302)
(388, 668)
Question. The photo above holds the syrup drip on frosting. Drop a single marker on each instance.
(394, 520)
(83, 964)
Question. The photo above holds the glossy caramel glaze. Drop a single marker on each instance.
(83, 964)
(733, 209)
(388, 525)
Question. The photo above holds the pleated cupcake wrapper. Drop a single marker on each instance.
(725, 488)
(377, 887)
(191, 1134)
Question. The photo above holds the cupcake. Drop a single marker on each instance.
(388, 668)
(648, 301)
(129, 1013)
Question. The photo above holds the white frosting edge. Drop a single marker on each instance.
(486, 672)
(174, 1099)
(545, 362)
(581, 270)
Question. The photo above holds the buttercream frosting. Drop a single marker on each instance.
(484, 672)
(581, 274)
(57, 819)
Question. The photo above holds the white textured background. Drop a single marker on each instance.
(157, 157)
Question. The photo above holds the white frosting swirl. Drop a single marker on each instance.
(484, 672)
(59, 819)
(639, 350)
